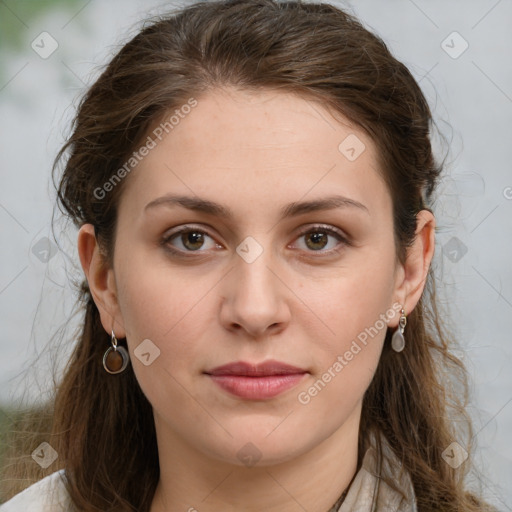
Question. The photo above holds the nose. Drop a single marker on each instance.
(255, 298)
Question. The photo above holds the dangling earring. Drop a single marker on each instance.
(115, 359)
(398, 340)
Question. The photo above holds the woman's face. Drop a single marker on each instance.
(267, 273)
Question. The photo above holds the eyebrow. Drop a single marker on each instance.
(290, 210)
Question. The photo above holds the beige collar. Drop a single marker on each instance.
(370, 493)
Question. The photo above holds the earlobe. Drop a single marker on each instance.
(418, 260)
(101, 280)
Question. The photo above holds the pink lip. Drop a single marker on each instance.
(257, 381)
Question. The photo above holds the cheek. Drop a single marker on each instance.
(154, 297)
(161, 311)
(354, 309)
(351, 303)
(168, 307)
(346, 361)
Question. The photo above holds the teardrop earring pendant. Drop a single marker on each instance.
(398, 340)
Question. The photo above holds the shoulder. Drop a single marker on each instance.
(47, 495)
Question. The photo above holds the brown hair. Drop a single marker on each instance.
(318, 52)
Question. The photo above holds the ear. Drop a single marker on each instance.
(412, 275)
(101, 281)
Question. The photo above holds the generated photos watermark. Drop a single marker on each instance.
(151, 142)
(304, 397)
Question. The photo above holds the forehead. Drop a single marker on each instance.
(258, 150)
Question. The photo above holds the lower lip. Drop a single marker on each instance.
(257, 388)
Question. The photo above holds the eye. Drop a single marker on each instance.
(189, 239)
(317, 238)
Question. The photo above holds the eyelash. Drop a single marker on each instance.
(314, 229)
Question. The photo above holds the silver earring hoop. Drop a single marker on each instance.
(398, 340)
(115, 358)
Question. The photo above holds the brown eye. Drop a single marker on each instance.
(189, 240)
(192, 240)
(318, 240)
(319, 237)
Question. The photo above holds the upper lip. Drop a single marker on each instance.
(271, 367)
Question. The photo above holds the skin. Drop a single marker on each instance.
(255, 153)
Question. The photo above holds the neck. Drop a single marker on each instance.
(192, 481)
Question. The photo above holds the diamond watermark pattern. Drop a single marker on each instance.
(454, 249)
(249, 454)
(45, 455)
(44, 249)
(44, 45)
(249, 249)
(454, 45)
(147, 352)
(454, 455)
(352, 147)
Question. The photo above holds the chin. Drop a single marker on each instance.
(258, 448)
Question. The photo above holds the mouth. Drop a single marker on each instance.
(257, 381)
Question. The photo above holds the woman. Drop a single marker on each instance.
(299, 362)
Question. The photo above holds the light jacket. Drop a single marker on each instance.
(367, 493)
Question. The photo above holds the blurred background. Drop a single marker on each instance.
(459, 52)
